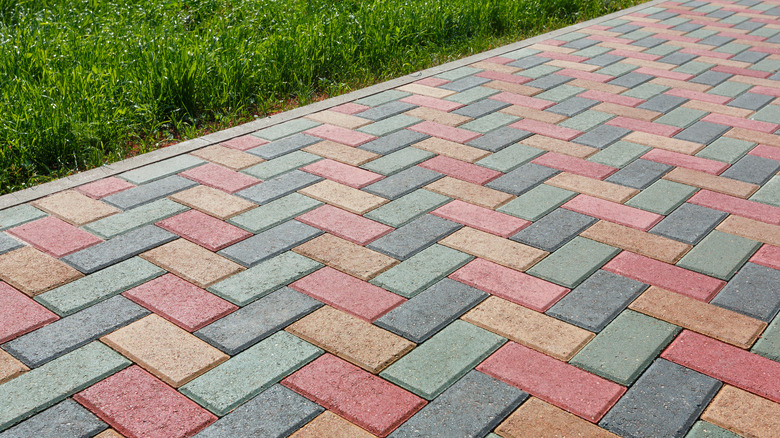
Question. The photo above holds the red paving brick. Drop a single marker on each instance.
(740, 207)
(613, 212)
(342, 173)
(104, 187)
(461, 170)
(214, 175)
(481, 218)
(643, 126)
(574, 165)
(340, 135)
(546, 129)
(611, 98)
(687, 161)
(54, 236)
(344, 224)
(207, 231)
(244, 143)
(503, 77)
(350, 108)
(20, 314)
(765, 151)
(768, 256)
(739, 122)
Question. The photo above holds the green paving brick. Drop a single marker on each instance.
(390, 124)
(693, 68)
(615, 22)
(560, 93)
(161, 169)
(768, 345)
(681, 117)
(732, 48)
(619, 154)
(271, 168)
(419, 272)
(472, 95)
(763, 7)
(120, 223)
(662, 196)
(675, 21)
(405, 209)
(251, 372)
(101, 285)
(719, 255)
(18, 215)
(730, 89)
(440, 361)
(662, 49)
(734, 19)
(537, 202)
(636, 35)
(769, 113)
(765, 32)
(382, 98)
(510, 157)
(571, 36)
(703, 429)
(285, 129)
(539, 71)
(592, 51)
(51, 383)
(701, 33)
(625, 347)
(707, 8)
(573, 262)
(274, 213)
(489, 122)
(770, 65)
(645, 91)
(726, 149)
(398, 161)
(769, 193)
(521, 53)
(586, 120)
(458, 73)
(616, 69)
(258, 281)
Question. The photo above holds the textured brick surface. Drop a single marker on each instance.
(192, 262)
(67, 418)
(75, 208)
(20, 314)
(537, 418)
(743, 413)
(22, 269)
(270, 243)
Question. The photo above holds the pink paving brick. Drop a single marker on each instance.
(634, 55)
(20, 314)
(432, 102)
(664, 275)
(602, 96)
(727, 363)
(342, 173)
(588, 76)
(244, 143)
(54, 236)
(499, 60)
(137, 404)
(546, 129)
(741, 207)
(709, 53)
(575, 165)
(104, 187)
(348, 293)
(643, 126)
(509, 284)
(360, 397)
(739, 122)
(553, 42)
(566, 386)
(767, 91)
(519, 99)
(503, 77)
(697, 95)
(664, 73)
(461, 169)
(219, 177)
(207, 231)
(768, 256)
(687, 161)
(350, 108)
(649, 24)
(180, 302)
(613, 212)
(340, 135)
(481, 218)
(765, 151)
(741, 71)
(446, 132)
(344, 224)
(432, 82)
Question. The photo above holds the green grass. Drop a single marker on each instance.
(86, 82)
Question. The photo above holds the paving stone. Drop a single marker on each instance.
(751, 101)
(496, 249)
(630, 239)
(393, 142)
(554, 230)
(208, 232)
(398, 160)
(412, 238)
(10, 367)
(480, 108)
(639, 174)
(499, 138)
(149, 192)
(419, 272)
(768, 344)
(719, 254)
(452, 149)
(768, 256)
(21, 269)
(284, 146)
(460, 169)
(220, 177)
(643, 410)
(344, 224)
(386, 110)
(662, 197)
(281, 165)
(573, 262)
(285, 129)
(161, 169)
(330, 424)
(689, 223)
(702, 429)
(537, 418)
(480, 218)
(270, 243)
(744, 413)
(619, 154)
(51, 235)
(469, 192)
(752, 292)
(522, 179)
(345, 197)
(274, 213)
(278, 187)
(346, 256)
(403, 182)
(602, 136)
(537, 202)
(20, 314)
(341, 153)
(147, 214)
(702, 132)
(226, 156)
(390, 125)
(573, 106)
(74, 207)
(66, 419)
(613, 212)
(752, 169)
(19, 215)
(403, 210)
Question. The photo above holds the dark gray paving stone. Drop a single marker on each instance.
(752, 169)
(749, 56)
(648, 42)
(471, 407)
(431, 310)
(481, 108)
(716, 40)
(386, 110)
(630, 80)
(662, 103)
(498, 139)
(602, 136)
(597, 301)
(665, 401)
(573, 106)
(393, 142)
(284, 146)
(119, 248)
(67, 334)
(604, 60)
(403, 182)
(549, 81)
(522, 179)
(582, 43)
(8, 243)
(689, 223)
(677, 58)
(751, 101)
(711, 78)
(415, 236)
(753, 291)
(554, 230)
(748, 25)
(278, 187)
(529, 62)
(270, 243)
(702, 132)
(275, 412)
(256, 321)
(149, 192)
(67, 419)
(639, 174)
(464, 84)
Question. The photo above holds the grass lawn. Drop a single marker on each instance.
(87, 82)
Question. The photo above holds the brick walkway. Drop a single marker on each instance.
(580, 237)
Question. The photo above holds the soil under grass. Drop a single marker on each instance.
(87, 82)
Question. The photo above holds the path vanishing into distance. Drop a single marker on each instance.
(573, 235)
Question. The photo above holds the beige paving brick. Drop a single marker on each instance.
(744, 413)
(509, 87)
(621, 46)
(34, 272)
(648, 63)
(74, 207)
(685, 85)
(213, 201)
(192, 262)
(550, 48)
(627, 111)
(559, 146)
(650, 245)
(572, 65)
(669, 144)
(715, 108)
(426, 90)
(330, 425)
(754, 81)
(492, 66)
(754, 136)
(228, 157)
(342, 153)
(593, 187)
(533, 329)
(109, 433)
(165, 350)
(535, 418)
(494, 248)
(708, 319)
(339, 119)
(598, 86)
(10, 367)
(469, 192)
(451, 149)
(438, 116)
(708, 181)
(345, 256)
(534, 114)
(751, 229)
(351, 338)
(339, 195)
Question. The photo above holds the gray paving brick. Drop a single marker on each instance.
(386, 110)
(161, 169)
(645, 411)
(648, 42)
(711, 78)
(146, 214)
(67, 419)
(275, 413)
(582, 43)
(687, 27)
(285, 129)
(415, 236)
(149, 192)
(119, 248)
(702, 132)
(630, 80)
(284, 146)
(8, 243)
(639, 174)
(405, 209)
(604, 60)
(749, 56)
(19, 215)
(751, 101)
(67, 334)
(549, 81)
(662, 103)
(383, 97)
(522, 179)
(752, 169)
(689, 223)
(499, 138)
(403, 182)
(431, 310)
(573, 106)
(677, 58)
(251, 324)
(716, 40)
(464, 84)
(602, 136)
(278, 187)
(554, 230)
(597, 301)
(529, 62)
(393, 142)
(753, 291)
(481, 108)
(270, 243)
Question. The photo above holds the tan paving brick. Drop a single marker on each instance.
(550, 48)
(330, 425)
(213, 201)
(346, 256)
(451, 149)
(669, 144)
(509, 87)
(342, 153)
(534, 114)
(494, 248)
(74, 207)
(572, 65)
(350, 199)
(469, 192)
(165, 350)
(351, 338)
(754, 136)
(33, 272)
(10, 367)
(109, 433)
(530, 328)
(339, 119)
(621, 46)
(685, 85)
(559, 146)
(426, 90)
(192, 262)
(744, 413)
(598, 86)
(650, 245)
(627, 111)
(648, 63)
(751, 229)
(715, 108)
(492, 66)
(228, 157)
(708, 181)
(707, 319)
(593, 187)
(438, 116)
(535, 418)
